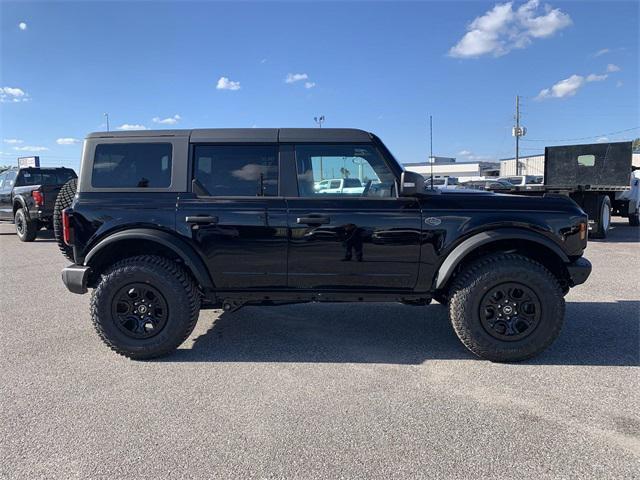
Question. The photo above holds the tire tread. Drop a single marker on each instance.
(163, 266)
(471, 278)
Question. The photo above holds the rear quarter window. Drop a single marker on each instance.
(132, 165)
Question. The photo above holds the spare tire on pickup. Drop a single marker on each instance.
(63, 200)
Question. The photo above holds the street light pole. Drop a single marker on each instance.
(319, 121)
(106, 115)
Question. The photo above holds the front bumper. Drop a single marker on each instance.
(75, 278)
(579, 271)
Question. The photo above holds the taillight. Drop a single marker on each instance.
(67, 230)
(583, 231)
(38, 197)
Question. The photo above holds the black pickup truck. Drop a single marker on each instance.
(28, 195)
(165, 223)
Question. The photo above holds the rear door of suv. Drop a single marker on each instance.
(235, 215)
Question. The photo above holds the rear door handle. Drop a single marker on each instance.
(201, 219)
(313, 220)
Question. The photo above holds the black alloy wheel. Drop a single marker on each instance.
(140, 310)
(510, 311)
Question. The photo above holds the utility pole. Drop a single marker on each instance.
(431, 159)
(518, 132)
(106, 115)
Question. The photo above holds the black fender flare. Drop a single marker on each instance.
(470, 244)
(179, 246)
(23, 204)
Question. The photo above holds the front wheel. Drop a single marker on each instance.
(26, 229)
(506, 307)
(145, 306)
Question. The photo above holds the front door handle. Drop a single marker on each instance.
(313, 220)
(201, 219)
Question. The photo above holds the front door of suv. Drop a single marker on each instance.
(235, 216)
(364, 237)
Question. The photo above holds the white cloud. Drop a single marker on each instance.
(465, 153)
(13, 141)
(13, 94)
(503, 29)
(295, 77)
(613, 68)
(225, 84)
(602, 140)
(619, 83)
(31, 148)
(309, 84)
(596, 78)
(564, 88)
(22, 26)
(167, 121)
(264, 60)
(67, 141)
(131, 126)
(569, 86)
(600, 52)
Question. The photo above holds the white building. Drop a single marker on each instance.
(464, 171)
(529, 165)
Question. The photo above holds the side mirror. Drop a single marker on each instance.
(411, 183)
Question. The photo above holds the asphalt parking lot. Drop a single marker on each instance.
(317, 391)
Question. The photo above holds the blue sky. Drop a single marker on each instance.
(379, 66)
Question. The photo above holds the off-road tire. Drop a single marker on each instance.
(482, 275)
(603, 222)
(171, 280)
(26, 229)
(63, 200)
(634, 219)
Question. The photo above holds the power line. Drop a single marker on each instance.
(577, 138)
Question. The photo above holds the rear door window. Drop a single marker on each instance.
(237, 171)
(132, 165)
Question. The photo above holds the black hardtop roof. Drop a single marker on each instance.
(253, 135)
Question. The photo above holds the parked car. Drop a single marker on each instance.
(340, 185)
(522, 180)
(28, 195)
(487, 185)
(441, 182)
(165, 223)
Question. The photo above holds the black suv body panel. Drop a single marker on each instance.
(292, 248)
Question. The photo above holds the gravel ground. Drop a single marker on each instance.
(317, 391)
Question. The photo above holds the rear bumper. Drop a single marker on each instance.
(579, 271)
(75, 278)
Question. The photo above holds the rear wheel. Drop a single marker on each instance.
(603, 221)
(634, 219)
(506, 307)
(25, 228)
(63, 200)
(145, 307)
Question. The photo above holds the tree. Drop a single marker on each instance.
(636, 145)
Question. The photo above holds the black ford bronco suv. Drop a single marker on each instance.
(165, 223)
